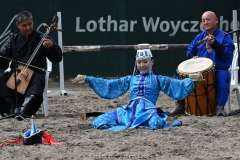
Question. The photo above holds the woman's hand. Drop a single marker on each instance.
(80, 78)
(196, 77)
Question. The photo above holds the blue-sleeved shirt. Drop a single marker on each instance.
(147, 86)
(222, 49)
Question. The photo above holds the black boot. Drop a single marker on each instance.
(178, 109)
(24, 110)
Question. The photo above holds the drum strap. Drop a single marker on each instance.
(209, 48)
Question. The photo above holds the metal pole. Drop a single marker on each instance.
(235, 25)
(61, 69)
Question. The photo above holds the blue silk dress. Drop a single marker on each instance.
(140, 112)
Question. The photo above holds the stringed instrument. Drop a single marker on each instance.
(23, 73)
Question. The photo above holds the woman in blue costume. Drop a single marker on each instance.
(144, 91)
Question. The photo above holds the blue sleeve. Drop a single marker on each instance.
(175, 88)
(192, 48)
(225, 48)
(109, 89)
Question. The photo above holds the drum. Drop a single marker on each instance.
(202, 101)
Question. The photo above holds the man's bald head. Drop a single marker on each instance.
(209, 13)
(209, 21)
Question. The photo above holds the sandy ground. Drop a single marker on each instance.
(199, 138)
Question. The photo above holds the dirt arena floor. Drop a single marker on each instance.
(199, 138)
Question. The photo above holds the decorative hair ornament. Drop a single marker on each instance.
(143, 54)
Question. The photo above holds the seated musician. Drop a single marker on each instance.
(144, 91)
(219, 50)
(25, 42)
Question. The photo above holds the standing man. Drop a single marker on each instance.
(220, 50)
(25, 42)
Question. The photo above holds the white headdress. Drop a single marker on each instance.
(144, 54)
(141, 55)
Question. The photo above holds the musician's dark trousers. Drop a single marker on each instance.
(7, 95)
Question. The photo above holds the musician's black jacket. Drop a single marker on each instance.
(24, 48)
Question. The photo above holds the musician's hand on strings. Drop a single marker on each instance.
(80, 78)
(47, 43)
(18, 70)
(210, 39)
